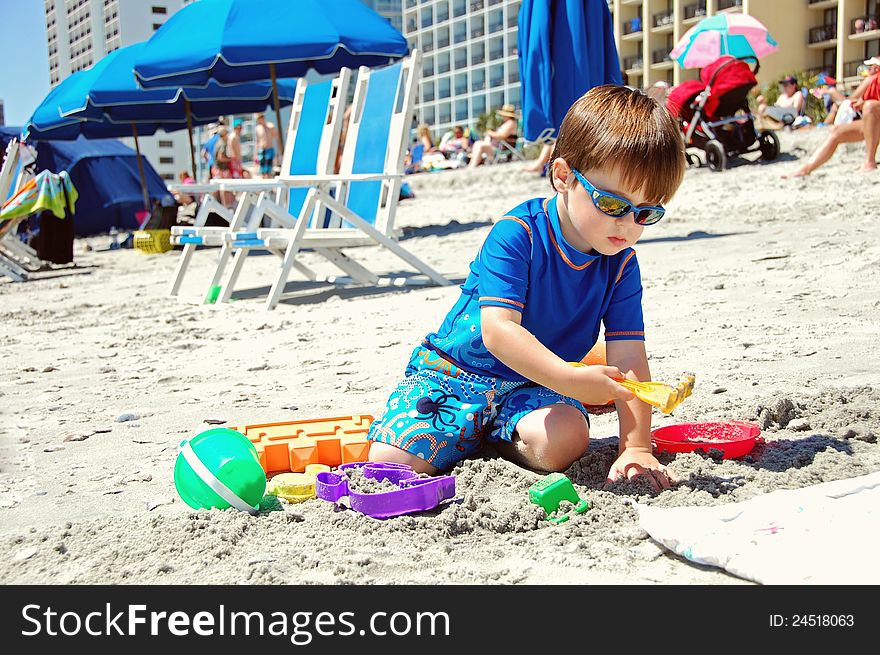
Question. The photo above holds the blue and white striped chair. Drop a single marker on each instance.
(362, 198)
(310, 148)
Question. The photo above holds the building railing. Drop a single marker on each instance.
(664, 18)
(696, 10)
(632, 26)
(660, 55)
(823, 33)
(728, 4)
(631, 62)
(863, 24)
(851, 68)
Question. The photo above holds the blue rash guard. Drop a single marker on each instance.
(526, 265)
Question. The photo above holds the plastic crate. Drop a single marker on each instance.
(152, 242)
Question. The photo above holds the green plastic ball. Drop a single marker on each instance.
(231, 458)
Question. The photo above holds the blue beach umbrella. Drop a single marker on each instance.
(566, 47)
(232, 41)
(109, 89)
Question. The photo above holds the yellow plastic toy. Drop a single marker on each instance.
(661, 395)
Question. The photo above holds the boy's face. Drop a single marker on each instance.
(592, 229)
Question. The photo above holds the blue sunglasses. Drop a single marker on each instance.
(615, 206)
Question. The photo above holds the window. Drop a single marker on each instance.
(445, 112)
(427, 91)
(496, 99)
(478, 53)
(478, 104)
(478, 26)
(512, 72)
(427, 17)
(428, 66)
(442, 11)
(160, 10)
(461, 84)
(166, 160)
(166, 144)
(428, 41)
(443, 88)
(459, 8)
(461, 109)
(496, 48)
(496, 75)
(461, 58)
(478, 79)
(168, 177)
(459, 32)
(442, 37)
(443, 62)
(156, 26)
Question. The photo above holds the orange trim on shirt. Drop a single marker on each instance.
(521, 222)
(556, 245)
(623, 266)
(632, 333)
(512, 302)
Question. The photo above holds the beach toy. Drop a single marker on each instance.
(552, 490)
(733, 438)
(661, 395)
(296, 487)
(290, 446)
(414, 494)
(219, 468)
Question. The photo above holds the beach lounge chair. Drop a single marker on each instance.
(310, 148)
(362, 198)
(17, 259)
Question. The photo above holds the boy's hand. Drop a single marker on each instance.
(639, 461)
(595, 385)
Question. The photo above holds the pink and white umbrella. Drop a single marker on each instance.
(738, 35)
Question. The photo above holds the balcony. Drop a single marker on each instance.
(633, 26)
(821, 4)
(822, 34)
(724, 5)
(632, 63)
(661, 56)
(694, 12)
(665, 19)
(851, 68)
(864, 28)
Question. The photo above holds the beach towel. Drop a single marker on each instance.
(47, 191)
(822, 534)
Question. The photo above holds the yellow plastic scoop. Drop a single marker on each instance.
(661, 395)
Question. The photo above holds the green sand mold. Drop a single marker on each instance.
(552, 490)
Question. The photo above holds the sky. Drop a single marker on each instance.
(24, 62)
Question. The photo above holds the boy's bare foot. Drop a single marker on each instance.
(869, 166)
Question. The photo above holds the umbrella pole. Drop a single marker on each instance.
(277, 105)
(134, 131)
(189, 130)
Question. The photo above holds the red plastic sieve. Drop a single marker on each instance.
(733, 438)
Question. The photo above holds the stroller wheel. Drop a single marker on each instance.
(692, 160)
(769, 143)
(716, 157)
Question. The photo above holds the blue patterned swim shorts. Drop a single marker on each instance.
(442, 413)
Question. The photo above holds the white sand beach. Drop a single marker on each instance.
(764, 288)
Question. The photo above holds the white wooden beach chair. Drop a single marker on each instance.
(362, 197)
(17, 259)
(310, 148)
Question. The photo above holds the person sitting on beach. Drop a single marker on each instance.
(180, 197)
(507, 132)
(548, 273)
(788, 106)
(457, 144)
(865, 100)
(425, 140)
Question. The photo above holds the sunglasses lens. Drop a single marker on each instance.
(612, 206)
(649, 216)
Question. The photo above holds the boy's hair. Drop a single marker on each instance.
(617, 128)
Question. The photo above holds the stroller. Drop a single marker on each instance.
(714, 114)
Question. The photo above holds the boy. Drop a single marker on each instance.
(547, 274)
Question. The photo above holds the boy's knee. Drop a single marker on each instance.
(566, 439)
(383, 452)
(871, 107)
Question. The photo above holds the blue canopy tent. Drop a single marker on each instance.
(566, 47)
(105, 173)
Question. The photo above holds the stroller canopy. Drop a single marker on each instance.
(731, 76)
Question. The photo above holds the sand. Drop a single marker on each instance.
(763, 287)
